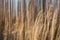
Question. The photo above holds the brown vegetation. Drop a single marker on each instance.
(37, 24)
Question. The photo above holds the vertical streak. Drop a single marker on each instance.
(5, 34)
(16, 18)
(23, 17)
(5, 22)
(16, 8)
(9, 7)
(46, 6)
(41, 4)
(58, 4)
(3, 8)
(9, 15)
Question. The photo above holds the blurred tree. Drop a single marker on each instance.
(1, 20)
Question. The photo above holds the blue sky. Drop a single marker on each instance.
(15, 2)
(27, 1)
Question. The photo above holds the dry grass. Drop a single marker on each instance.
(29, 26)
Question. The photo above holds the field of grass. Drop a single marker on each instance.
(37, 24)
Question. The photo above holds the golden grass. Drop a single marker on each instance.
(27, 27)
